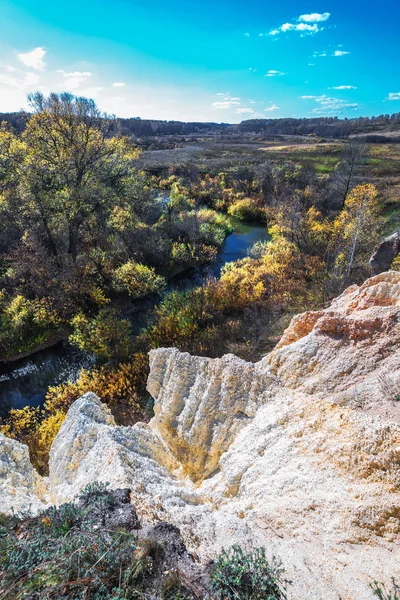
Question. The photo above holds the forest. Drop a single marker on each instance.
(330, 127)
(86, 234)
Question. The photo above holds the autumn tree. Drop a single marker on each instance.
(355, 232)
(75, 168)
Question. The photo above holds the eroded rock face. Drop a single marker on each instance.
(21, 488)
(299, 453)
(201, 404)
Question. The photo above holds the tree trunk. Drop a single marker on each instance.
(73, 230)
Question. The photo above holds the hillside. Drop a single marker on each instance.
(297, 453)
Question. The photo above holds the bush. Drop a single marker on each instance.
(395, 266)
(138, 280)
(380, 591)
(240, 576)
(107, 335)
(62, 555)
(247, 210)
(25, 324)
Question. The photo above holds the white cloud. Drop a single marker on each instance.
(33, 59)
(252, 102)
(20, 82)
(74, 73)
(225, 105)
(274, 73)
(73, 79)
(118, 84)
(246, 35)
(340, 53)
(317, 54)
(326, 104)
(393, 96)
(304, 27)
(244, 111)
(230, 98)
(343, 87)
(220, 94)
(271, 108)
(315, 17)
(307, 24)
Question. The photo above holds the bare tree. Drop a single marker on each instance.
(344, 177)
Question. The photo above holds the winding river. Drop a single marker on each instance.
(25, 382)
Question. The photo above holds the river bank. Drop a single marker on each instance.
(25, 381)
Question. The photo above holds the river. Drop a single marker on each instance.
(25, 382)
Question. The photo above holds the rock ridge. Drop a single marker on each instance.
(299, 452)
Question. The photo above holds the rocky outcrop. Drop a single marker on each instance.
(299, 453)
(385, 253)
(21, 488)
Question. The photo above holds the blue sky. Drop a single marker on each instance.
(205, 60)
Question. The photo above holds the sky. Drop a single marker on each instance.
(208, 60)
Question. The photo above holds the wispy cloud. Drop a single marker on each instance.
(340, 53)
(225, 104)
(307, 24)
(73, 79)
(271, 108)
(20, 82)
(303, 27)
(393, 96)
(246, 35)
(34, 58)
(274, 73)
(245, 111)
(118, 84)
(343, 87)
(329, 105)
(315, 17)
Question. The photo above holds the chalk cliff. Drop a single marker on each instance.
(299, 453)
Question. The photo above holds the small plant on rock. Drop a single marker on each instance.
(380, 591)
(241, 576)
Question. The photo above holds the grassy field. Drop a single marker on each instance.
(213, 155)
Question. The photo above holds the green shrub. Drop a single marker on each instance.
(240, 576)
(137, 280)
(247, 210)
(107, 335)
(56, 557)
(380, 591)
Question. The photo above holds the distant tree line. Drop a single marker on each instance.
(330, 127)
(323, 126)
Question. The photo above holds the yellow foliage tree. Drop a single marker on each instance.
(355, 230)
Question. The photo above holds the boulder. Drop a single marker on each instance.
(385, 253)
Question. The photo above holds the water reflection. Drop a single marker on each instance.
(25, 382)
